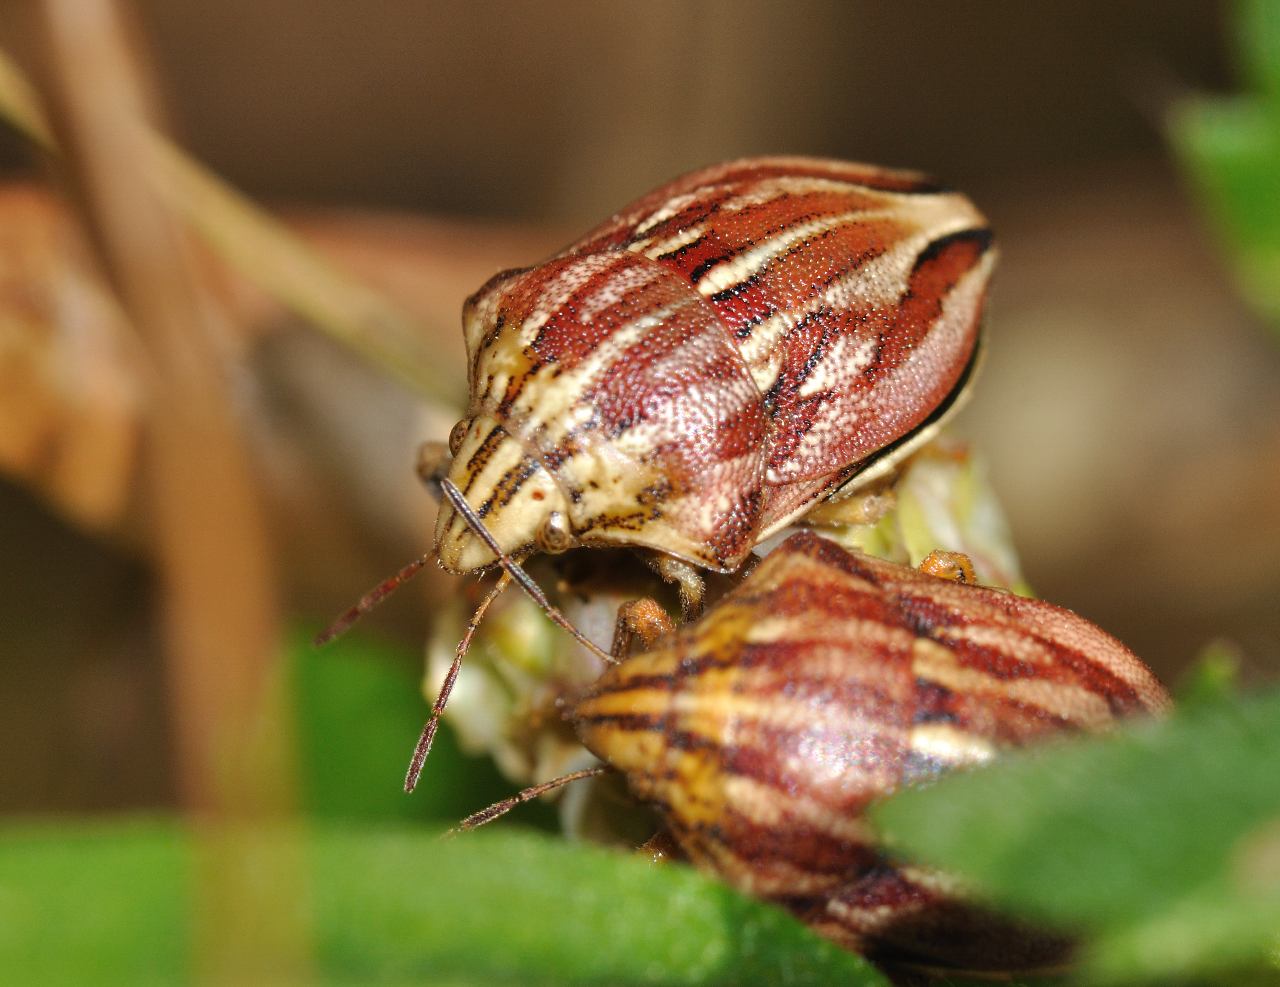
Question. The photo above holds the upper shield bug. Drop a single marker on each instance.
(705, 367)
(824, 681)
(711, 362)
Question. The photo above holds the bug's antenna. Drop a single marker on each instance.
(370, 600)
(506, 805)
(513, 569)
(428, 736)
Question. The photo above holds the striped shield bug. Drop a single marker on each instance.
(826, 680)
(712, 362)
(699, 371)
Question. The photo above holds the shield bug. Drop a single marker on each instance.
(824, 681)
(713, 361)
(519, 666)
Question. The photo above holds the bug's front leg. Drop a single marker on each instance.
(955, 566)
(687, 578)
(660, 848)
(862, 508)
(640, 620)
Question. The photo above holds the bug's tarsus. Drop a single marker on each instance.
(488, 815)
(688, 579)
(370, 600)
(642, 621)
(428, 736)
(955, 567)
(514, 570)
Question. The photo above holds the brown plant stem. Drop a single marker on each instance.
(232, 724)
(264, 251)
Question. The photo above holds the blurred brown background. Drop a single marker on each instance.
(1129, 409)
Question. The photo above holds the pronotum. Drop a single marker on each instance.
(714, 360)
(826, 680)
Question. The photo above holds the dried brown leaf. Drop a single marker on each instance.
(70, 389)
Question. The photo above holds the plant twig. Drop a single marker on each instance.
(232, 721)
(264, 251)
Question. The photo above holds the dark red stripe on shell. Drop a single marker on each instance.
(822, 659)
(820, 855)
(938, 269)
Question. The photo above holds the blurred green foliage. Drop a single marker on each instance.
(360, 709)
(80, 906)
(1161, 844)
(108, 904)
(1231, 149)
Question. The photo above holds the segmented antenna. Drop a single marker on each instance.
(506, 805)
(513, 569)
(428, 735)
(370, 600)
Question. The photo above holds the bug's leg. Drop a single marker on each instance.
(433, 465)
(955, 566)
(660, 848)
(688, 580)
(866, 507)
(639, 620)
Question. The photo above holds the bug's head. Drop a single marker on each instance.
(509, 489)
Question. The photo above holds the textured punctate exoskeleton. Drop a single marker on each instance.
(824, 681)
(714, 360)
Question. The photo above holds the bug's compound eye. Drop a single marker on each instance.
(456, 435)
(555, 536)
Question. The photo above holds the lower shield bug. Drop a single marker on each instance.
(824, 681)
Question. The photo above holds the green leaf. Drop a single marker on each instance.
(1257, 32)
(81, 905)
(1231, 150)
(111, 904)
(1163, 843)
(1213, 677)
